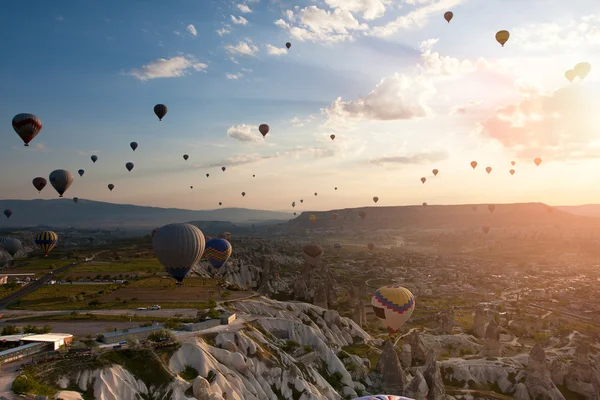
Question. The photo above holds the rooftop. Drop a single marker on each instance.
(18, 349)
(47, 337)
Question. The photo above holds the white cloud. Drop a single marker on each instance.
(242, 48)
(244, 133)
(244, 8)
(234, 76)
(396, 97)
(297, 122)
(462, 109)
(168, 68)
(414, 19)
(561, 34)
(314, 24)
(223, 31)
(239, 21)
(275, 51)
(192, 30)
(417, 158)
(370, 9)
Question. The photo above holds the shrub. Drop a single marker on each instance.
(10, 330)
(94, 303)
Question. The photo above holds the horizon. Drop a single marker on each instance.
(403, 91)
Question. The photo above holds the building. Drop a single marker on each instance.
(227, 318)
(56, 339)
(124, 335)
(25, 350)
(199, 326)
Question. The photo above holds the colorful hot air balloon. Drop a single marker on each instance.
(312, 218)
(264, 129)
(81, 172)
(423, 180)
(133, 145)
(362, 214)
(75, 200)
(512, 163)
(217, 252)
(371, 246)
(537, 161)
(11, 245)
(570, 75)
(486, 229)
(332, 136)
(288, 45)
(8, 213)
(111, 186)
(27, 127)
(491, 207)
(312, 254)
(94, 159)
(129, 166)
(223, 169)
(488, 169)
(375, 199)
(39, 183)
(154, 231)
(502, 37)
(448, 16)
(582, 69)
(473, 164)
(61, 180)
(160, 110)
(393, 306)
(435, 172)
(185, 157)
(512, 171)
(178, 247)
(46, 241)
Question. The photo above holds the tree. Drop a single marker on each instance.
(10, 330)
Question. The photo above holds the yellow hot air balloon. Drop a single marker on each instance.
(46, 241)
(582, 69)
(502, 37)
(312, 218)
(570, 75)
(393, 306)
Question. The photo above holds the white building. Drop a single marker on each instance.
(57, 339)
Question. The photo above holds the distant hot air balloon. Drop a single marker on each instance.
(111, 186)
(423, 180)
(362, 214)
(502, 37)
(191, 187)
(133, 145)
(582, 69)
(75, 200)
(27, 127)
(570, 75)
(217, 252)
(301, 201)
(94, 159)
(46, 241)
(512, 171)
(207, 175)
(332, 136)
(393, 306)
(293, 204)
(491, 207)
(8, 213)
(435, 172)
(312, 254)
(223, 169)
(315, 193)
(264, 129)
(243, 194)
(371, 246)
(220, 203)
(81, 172)
(335, 188)
(312, 218)
(485, 229)
(473, 164)
(160, 110)
(154, 231)
(11, 245)
(129, 166)
(488, 169)
(294, 214)
(39, 183)
(288, 45)
(448, 16)
(185, 157)
(61, 180)
(537, 161)
(424, 204)
(512, 163)
(254, 176)
(375, 199)
(178, 247)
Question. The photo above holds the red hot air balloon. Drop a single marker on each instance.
(332, 136)
(473, 164)
(435, 172)
(27, 126)
(39, 183)
(488, 169)
(512, 171)
(423, 179)
(264, 129)
(448, 16)
(512, 163)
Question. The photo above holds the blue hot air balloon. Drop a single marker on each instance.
(217, 252)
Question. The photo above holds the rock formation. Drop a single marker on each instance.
(433, 377)
(537, 381)
(479, 322)
(359, 315)
(447, 322)
(417, 388)
(393, 378)
(580, 377)
(491, 345)
(417, 347)
(406, 356)
(320, 298)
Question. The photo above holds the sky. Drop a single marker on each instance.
(402, 90)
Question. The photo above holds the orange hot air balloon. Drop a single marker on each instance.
(485, 229)
(435, 172)
(332, 136)
(502, 37)
(473, 164)
(537, 161)
(491, 207)
(423, 179)
(448, 16)
(512, 163)
(488, 169)
(512, 171)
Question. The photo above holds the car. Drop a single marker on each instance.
(142, 308)
(155, 307)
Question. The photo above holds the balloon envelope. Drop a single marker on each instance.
(264, 129)
(512, 171)
(393, 306)
(332, 136)
(582, 69)
(94, 159)
(448, 16)
(7, 213)
(473, 164)
(27, 126)
(537, 161)
(288, 45)
(435, 172)
(488, 169)
(570, 75)
(502, 37)
(217, 252)
(133, 145)
(423, 179)
(11, 245)
(375, 199)
(178, 247)
(39, 183)
(61, 180)
(111, 186)
(129, 166)
(312, 254)
(46, 241)
(160, 110)
(81, 172)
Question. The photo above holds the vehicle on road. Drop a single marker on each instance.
(155, 307)
(142, 308)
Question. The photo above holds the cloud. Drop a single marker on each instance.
(223, 31)
(317, 25)
(237, 160)
(239, 21)
(192, 30)
(244, 8)
(297, 122)
(242, 48)
(414, 19)
(418, 158)
(370, 9)
(88, 153)
(233, 76)
(168, 68)
(37, 146)
(396, 97)
(297, 152)
(244, 133)
(564, 34)
(559, 125)
(463, 108)
(275, 51)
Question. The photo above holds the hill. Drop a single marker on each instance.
(96, 214)
(588, 210)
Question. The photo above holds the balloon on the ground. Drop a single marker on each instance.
(393, 306)
(46, 241)
(217, 252)
(178, 247)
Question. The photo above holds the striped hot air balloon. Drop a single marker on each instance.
(46, 241)
(27, 127)
(393, 306)
(178, 247)
(217, 252)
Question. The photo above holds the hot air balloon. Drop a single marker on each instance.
(39, 183)
(332, 136)
(293, 204)
(160, 110)
(111, 186)
(217, 252)
(375, 199)
(301, 201)
(185, 157)
(488, 169)
(371, 246)
(473, 164)
(11, 245)
(448, 16)
(263, 129)
(288, 45)
(537, 161)
(8, 213)
(223, 169)
(512, 171)
(424, 204)
(312, 254)
(61, 180)
(570, 75)
(512, 163)
(315, 193)
(207, 175)
(178, 247)
(362, 214)
(435, 172)
(294, 214)
(94, 159)
(423, 180)
(191, 187)
(254, 176)
(335, 188)
(502, 37)
(133, 145)
(27, 127)
(491, 207)
(393, 306)
(243, 194)
(81, 172)
(75, 200)
(485, 229)
(582, 69)
(129, 166)
(154, 231)
(335, 216)
(312, 218)
(46, 241)
(220, 203)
